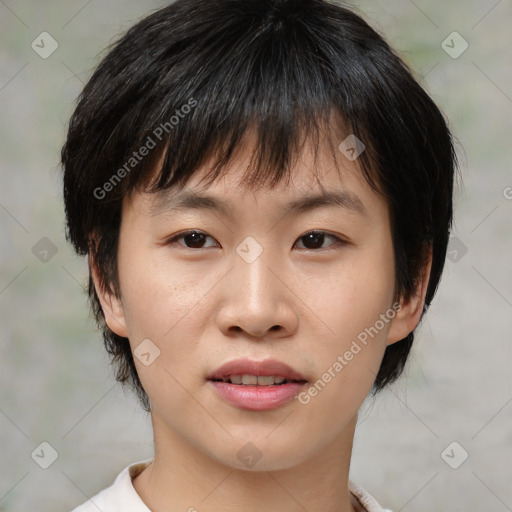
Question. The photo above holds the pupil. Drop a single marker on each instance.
(311, 240)
(188, 237)
(315, 238)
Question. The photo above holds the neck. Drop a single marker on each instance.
(183, 478)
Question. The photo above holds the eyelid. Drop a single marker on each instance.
(181, 234)
(339, 239)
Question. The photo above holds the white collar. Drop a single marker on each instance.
(121, 496)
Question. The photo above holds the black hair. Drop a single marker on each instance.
(189, 80)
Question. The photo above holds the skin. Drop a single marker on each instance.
(205, 305)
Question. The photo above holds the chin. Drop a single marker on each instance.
(260, 453)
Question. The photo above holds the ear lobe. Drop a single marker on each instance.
(111, 305)
(408, 317)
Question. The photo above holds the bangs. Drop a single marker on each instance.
(271, 159)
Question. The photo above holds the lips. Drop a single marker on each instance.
(256, 385)
(247, 367)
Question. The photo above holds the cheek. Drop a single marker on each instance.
(165, 304)
(161, 305)
(354, 294)
(157, 296)
(354, 304)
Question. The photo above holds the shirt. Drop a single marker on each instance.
(121, 496)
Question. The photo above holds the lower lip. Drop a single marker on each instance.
(257, 398)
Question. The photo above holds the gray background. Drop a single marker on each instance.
(56, 385)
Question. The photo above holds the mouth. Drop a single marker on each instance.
(258, 380)
(248, 372)
(257, 385)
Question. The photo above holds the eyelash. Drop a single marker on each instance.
(338, 240)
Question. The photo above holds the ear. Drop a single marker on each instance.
(408, 317)
(111, 305)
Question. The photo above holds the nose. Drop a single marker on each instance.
(257, 300)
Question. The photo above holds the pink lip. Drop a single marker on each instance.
(257, 398)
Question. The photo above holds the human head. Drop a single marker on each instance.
(189, 81)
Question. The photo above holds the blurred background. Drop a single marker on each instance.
(439, 440)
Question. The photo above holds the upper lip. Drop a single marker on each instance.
(259, 368)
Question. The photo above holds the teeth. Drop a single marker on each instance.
(265, 380)
(249, 379)
(253, 380)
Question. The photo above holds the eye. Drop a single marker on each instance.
(195, 239)
(313, 239)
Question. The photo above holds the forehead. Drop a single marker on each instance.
(317, 178)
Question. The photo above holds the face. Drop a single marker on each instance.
(311, 287)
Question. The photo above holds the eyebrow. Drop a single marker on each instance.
(193, 201)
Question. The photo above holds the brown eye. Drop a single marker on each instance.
(192, 239)
(315, 239)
